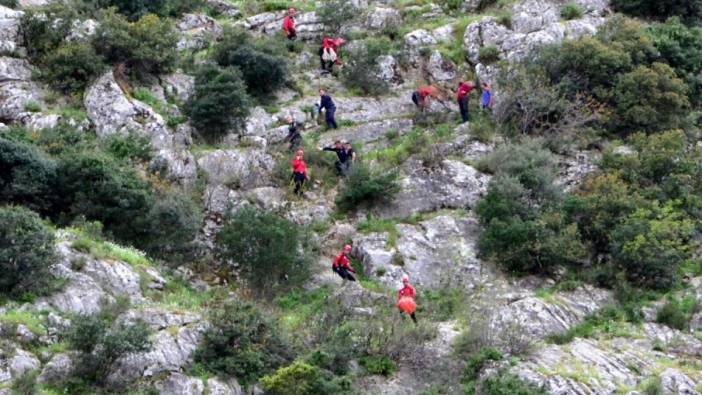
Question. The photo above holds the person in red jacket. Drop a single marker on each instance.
(329, 53)
(289, 25)
(299, 171)
(464, 89)
(421, 96)
(342, 265)
(407, 291)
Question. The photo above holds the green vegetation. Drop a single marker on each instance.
(609, 320)
(28, 176)
(678, 313)
(571, 11)
(71, 67)
(689, 10)
(366, 187)
(266, 249)
(489, 55)
(26, 253)
(301, 378)
(362, 71)
(379, 365)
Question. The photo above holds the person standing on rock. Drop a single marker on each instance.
(486, 98)
(462, 96)
(342, 265)
(329, 53)
(294, 136)
(327, 104)
(299, 171)
(289, 25)
(421, 96)
(405, 299)
(344, 157)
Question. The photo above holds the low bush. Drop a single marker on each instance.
(571, 11)
(678, 313)
(301, 378)
(478, 361)
(260, 61)
(173, 222)
(240, 342)
(28, 176)
(44, 30)
(688, 10)
(266, 249)
(506, 384)
(71, 67)
(26, 384)
(132, 147)
(367, 187)
(335, 14)
(378, 365)
(135, 9)
(220, 102)
(362, 71)
(489, 54)
(26, 253)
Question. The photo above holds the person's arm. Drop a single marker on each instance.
(353, 156)
(328, 149)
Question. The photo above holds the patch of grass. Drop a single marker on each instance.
(380, 225)
(677, 313)
(441, 305)
(378, 365)
(102, 249)
(489, 54)
(609, 320)
(571, 11)
(32, 106)
(652, 386)
(34, 322)
(179, 296)
(298, 307)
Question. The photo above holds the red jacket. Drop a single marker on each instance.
(288, 24)
(425, 91)
(342, 261)
(332, 43)
(299, 166)
(463, 90)
(408, 291)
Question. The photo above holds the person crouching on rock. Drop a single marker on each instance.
(299, 171)
(342, 265)
(421, 96)
(405, 299)
(294, 136)
(329, 53)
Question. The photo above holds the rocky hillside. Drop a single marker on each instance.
(152, 242)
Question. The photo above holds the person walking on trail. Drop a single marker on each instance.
(299, 171)
(462, 96)
(344, 157)
(294, 136)
(329, 53)
(327, 104)
(342, 265)
(289, 24)
(421, 96)
(405, 299)
(486, 98)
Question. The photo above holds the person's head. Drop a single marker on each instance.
(322, 92)
(485, 85)
(299, 154)
(405, 280)
(339, 42)
(347, 145)
(289, 119)
(347, 249)
(338, 144)
(291, 11)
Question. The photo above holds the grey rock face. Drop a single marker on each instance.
(225, 8)
(179, 384)
(373, 135)
(197, 30)
(16, 89)
(216, 386)
(387, 66)
(9, 29)
(453, 185)
(57, 369)
(179, 85)
(241, 168)
(22, 362)
(418, 38)
(82, 30)
(383, 18)
(113, 112)
(440, 69)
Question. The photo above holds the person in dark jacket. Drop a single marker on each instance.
(294, 136)
(344, 157)
(327, 104)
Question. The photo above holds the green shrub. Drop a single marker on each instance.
(571, 11)
(301, 378)
(135, 9)
(367, 187)
(263, 68)
(362, 71)
(677, 313)
(26, 253)
(334, 14)
(130, 147)
(219, 103)
(44, 30)
(147, 46)
(478, 361)
(506, 384)
(100, 342)
(71, 67)
(688, 10)
(173, 222)
(26, 384)
(266, 249)
(64, 137)
(378, 365)
(240, 342)
(489, 54)
(28, 177)
(9, 3)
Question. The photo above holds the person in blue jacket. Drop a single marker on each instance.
(327, 104)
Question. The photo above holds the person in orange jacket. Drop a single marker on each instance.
(329, 53)
(462, 97)
(299, 171)
(405, 305)
(421, 96)
(289, 24)
(342, 265)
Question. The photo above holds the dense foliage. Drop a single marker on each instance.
(367, 187)
(690, 10)
(26, 253)
(28, 176)
(362, 70)
(301, 378)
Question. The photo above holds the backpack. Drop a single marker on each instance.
(329, 55)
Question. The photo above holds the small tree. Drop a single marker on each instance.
(301, 378)
(362, 71)
(220, 102)
(173, 223)
(265, 247)
(27, 176)
(71, 67)
(26, 252)
(242, 343)
(366, 187)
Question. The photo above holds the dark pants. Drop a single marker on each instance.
(411, 316)
(343, 168)
(295, 142)
(326, 65)
(344, 274)
(299, 179)
(329, 117)
(415, 98)
(292, 34)
(463, 106)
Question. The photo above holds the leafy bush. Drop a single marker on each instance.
(28, 177)
(44, 31)
(147, 46)
(263, 68)
(478, 361)
(689, 10)
(71, 67)
(242, 343)
(130, 147)
(506, 384)
(64, 138)
(266, 249)
(677, 313)
(26, 252)
(26, 384)
(334, 14)
(380, 365)
(101, 342)
(219, 102)
(9, 3)
(301, 378)
(571, 11)
(367, 187)
(173, 222)
(135, 9)
(362, 70)
(489, 54)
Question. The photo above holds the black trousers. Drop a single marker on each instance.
(343, 168)
(414, 318)
(292, 34)
(329, 118)
(415, 98)
(344, 274)
(463, 106)
(295, 142)
(299, 179)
